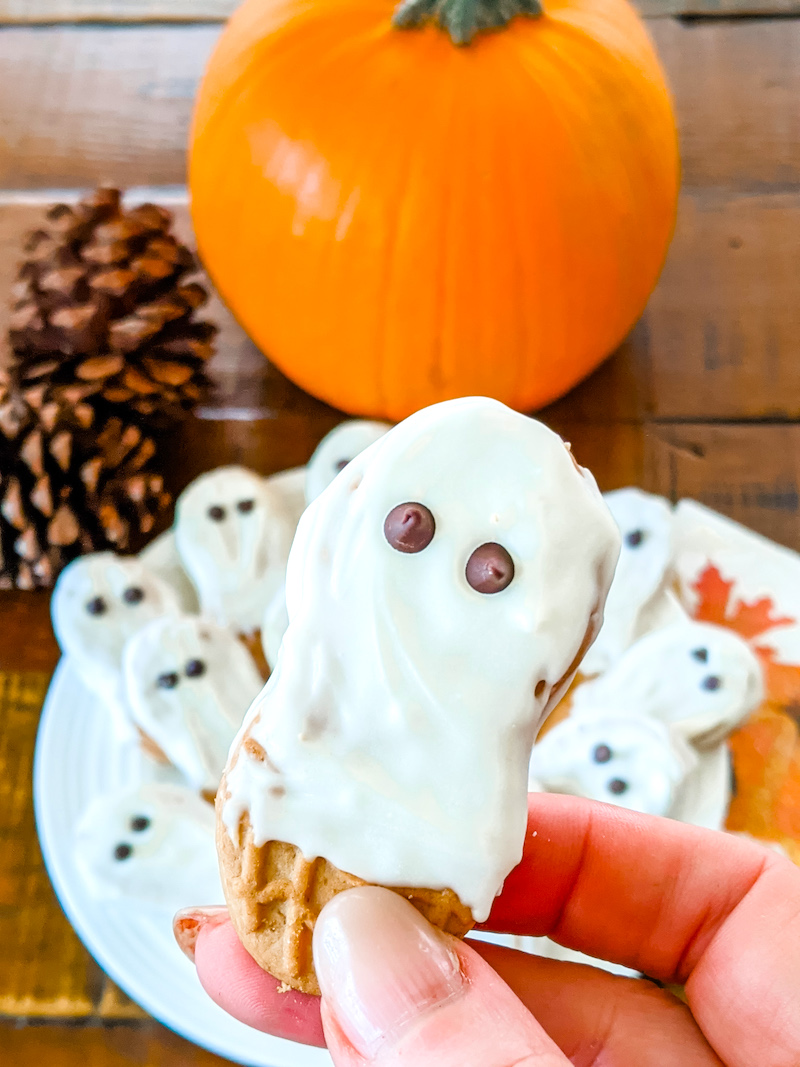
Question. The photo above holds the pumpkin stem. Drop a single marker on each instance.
(462, 19)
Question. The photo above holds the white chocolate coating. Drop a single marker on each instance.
(340, 446)
(274, 626)
(236, 562)
(172, 861)
(398, 721)
(195, 720)
(94, 642)
(162, 558)
(615, 757)
(645, 522)
(701, 679)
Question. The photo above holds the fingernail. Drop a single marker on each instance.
(380, 965)
(188, 923)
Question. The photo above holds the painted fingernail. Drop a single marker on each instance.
(188, 923)
(380, 965)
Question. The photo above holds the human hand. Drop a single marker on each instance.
(716, 913)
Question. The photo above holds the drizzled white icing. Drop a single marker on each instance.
(337, 449)
(162, 558)
(398, 721)
(94, 641)
(634, 603)
(702, 679)
(616, 757)
(237, 560)
(154, 843)
(273, 626)
(192, 712)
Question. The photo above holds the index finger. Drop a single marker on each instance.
(715, 912)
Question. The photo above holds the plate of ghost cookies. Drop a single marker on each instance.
(422, 602)
(163, 653)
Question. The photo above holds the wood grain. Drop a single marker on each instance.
(48, 11)
(750, 473)
(148, 1045)
(89, 103)
(46, 971)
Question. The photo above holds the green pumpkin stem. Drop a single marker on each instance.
(462, 19)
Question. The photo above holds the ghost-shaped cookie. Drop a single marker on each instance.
(98, 602)
(639, 598)
(162, 558)
(233, 530)
(619, 758)
(189, 683)
(274, 625)
(440, 594)
(699, 678)
(337, 449)
(153, 843)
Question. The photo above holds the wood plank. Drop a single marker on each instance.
(46, 970)
(735, 85)
(37, 11)
(89, 104)
(721, 334)
(48, 11)
(150, 1045)
(750, 473)
(85, 103)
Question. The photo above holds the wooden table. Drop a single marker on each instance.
(703, 400)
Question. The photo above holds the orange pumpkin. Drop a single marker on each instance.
(397, 220)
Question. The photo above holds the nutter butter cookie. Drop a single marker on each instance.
(440, 593)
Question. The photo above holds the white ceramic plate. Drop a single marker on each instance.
(77, 758)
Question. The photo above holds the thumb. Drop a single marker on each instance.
(395, 990)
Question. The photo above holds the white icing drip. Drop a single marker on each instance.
(635, 599)
(273, 626)
(237, 563)
(615, 757)
(195, 720)
(341, 445)
(702, 679)
(172, 861)
(94, 642)
(399, 718)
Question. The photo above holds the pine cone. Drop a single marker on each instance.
(102, 300)
(70, 482)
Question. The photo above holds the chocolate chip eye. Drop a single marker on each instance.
(634, 538)
(490, 568)
(168, 680)
(700, 654)
(409, 527)
(602, 754)
(617, 786)
(340, 466)
(134, 594)
(245, 506)
(96, 606)
(194, 668)
(139, 823)
(216, 513)
(122, 852)
(711, 683)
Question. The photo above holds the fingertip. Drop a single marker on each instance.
(234, 980)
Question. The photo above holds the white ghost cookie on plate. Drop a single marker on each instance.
(337, 449)
(189, 683)
(161, 557)
(233, 531)
(634, 603)
(154, 843)
(98, 602)
(700, 678)
(615, 757)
